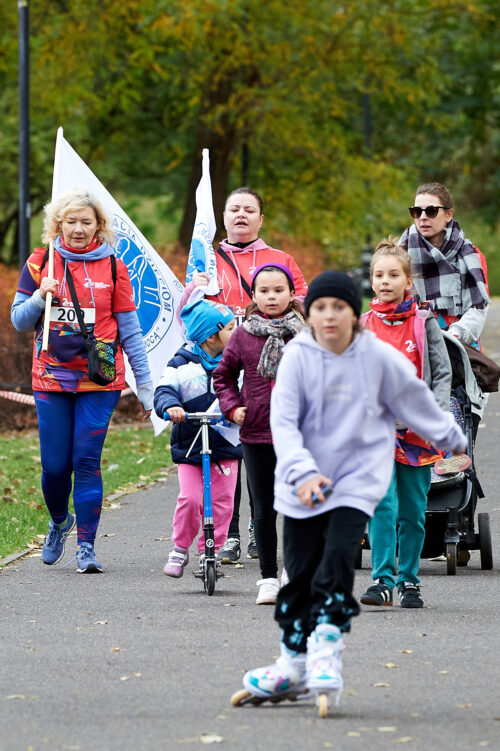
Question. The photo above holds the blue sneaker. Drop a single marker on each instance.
(53, 548)
(86, 560)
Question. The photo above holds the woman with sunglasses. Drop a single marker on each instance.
(448, 269)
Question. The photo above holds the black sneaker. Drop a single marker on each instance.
(230, 552)
(409, 594)
(378, 594)
(252, 547)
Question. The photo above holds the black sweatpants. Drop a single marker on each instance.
(260, 462)
(234, 526)
(319, 558)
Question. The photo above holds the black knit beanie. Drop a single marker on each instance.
(334, 284)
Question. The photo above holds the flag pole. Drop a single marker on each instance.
(48, 299)
(50, 265)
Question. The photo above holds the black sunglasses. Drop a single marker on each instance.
(430, 211)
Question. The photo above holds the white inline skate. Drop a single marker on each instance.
(324, 665)
(284, 679)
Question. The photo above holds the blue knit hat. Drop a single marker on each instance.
(203, 318)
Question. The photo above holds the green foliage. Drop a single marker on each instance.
(140, 86)
(132, 458)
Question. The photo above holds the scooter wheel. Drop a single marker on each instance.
(211, 577)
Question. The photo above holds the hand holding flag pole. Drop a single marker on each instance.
(50, 263)
(48, 299)
(201, 254)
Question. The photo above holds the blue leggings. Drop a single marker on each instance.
(72, 430)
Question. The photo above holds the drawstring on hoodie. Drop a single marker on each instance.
(254, 261)
(86, 276)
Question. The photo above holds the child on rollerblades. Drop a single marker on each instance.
(272, 319)
(338, 392)
(186, 386)
(397, 318)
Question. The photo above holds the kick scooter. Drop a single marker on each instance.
(208, 571)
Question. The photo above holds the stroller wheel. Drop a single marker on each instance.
(483, 521)
(451, 558)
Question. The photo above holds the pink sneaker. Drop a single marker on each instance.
(452, 465)
(177, 560)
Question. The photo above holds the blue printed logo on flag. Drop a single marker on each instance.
(153, 297)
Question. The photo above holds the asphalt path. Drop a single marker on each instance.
(132, 659)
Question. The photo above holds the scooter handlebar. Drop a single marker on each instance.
(211, 416)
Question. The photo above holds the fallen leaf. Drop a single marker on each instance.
(16, 696)
(351, 692)
(387, 729)
(463, 706)
(139, 461)
(353, 734)
(443, 672)
(211, 738)
(100, 623)
(381, 685)
(124, 678)
(403, 739)
(115, 649)
(390, 665)
(108, 534)
(138, 675)
(406, 651)
(162, 539)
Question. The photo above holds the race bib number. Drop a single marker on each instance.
(68, 315)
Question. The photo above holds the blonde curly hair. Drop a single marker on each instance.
(74, 200)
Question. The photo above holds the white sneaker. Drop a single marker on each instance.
(268, 591)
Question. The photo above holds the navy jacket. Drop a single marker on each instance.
(185, 383)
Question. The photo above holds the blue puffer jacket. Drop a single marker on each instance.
(185, 383)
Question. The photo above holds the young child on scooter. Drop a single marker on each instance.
(338, 392)
(186, 386)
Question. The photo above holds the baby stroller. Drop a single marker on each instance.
(452, 499)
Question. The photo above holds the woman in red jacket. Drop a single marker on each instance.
(273, 318)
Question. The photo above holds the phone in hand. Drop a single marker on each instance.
(326, 489)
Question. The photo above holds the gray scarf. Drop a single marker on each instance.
(276, 330)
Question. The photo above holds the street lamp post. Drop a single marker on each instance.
(24, 135)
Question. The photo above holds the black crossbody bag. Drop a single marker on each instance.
(230, 261)
(101, 364)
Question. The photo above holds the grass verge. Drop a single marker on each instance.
(132, 458)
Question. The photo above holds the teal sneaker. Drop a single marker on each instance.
(86, 561)
(53, 549)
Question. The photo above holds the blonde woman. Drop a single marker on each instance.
(73, 410)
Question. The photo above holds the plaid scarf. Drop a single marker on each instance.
(276, 329)
(450, 276)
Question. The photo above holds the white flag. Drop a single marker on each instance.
(157, 291)
(201, 254)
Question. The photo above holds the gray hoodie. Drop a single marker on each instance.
(335, 415)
